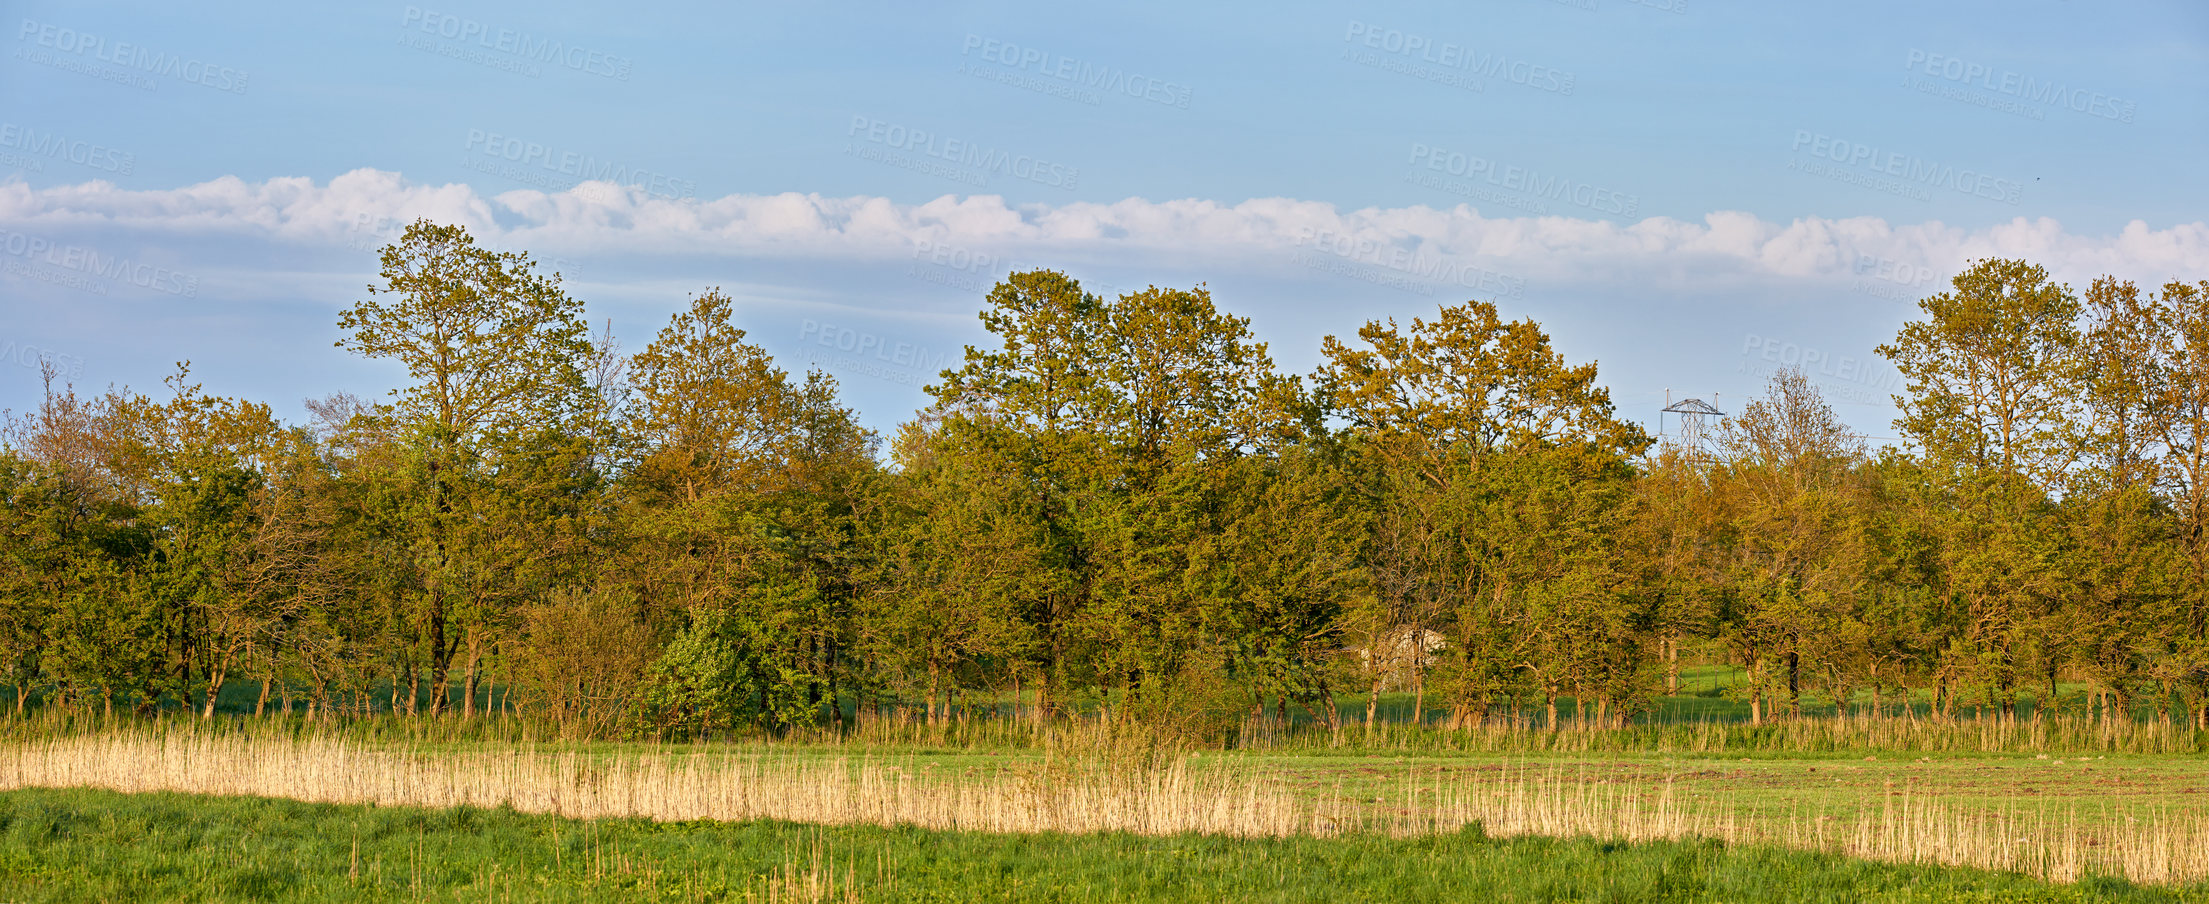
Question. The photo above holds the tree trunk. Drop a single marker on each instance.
(1418, 694)
(441, 665)
(468, 690)
(1672, 665)
(215, 674)
(813, 684)
(835, 701)
(440, 651)
(1794, 683)
(1373, 706)
(2052, 708)
(468, 684)
(1054, 680)
(935, 688)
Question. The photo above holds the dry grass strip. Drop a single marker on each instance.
(1163, 795)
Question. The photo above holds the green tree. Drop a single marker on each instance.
(1433, 404)
(2179, 401)
(1790, 470)
(1994, 380)
(491, 346)
(744, 499)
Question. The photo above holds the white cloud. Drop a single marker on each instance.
(600, 218)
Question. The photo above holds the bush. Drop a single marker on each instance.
(717, 676)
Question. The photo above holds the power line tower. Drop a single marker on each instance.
(1691, 412)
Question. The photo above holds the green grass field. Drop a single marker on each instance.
(81, 846)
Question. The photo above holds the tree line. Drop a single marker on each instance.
(1115, 504)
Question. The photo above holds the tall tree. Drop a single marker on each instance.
(2180, 401)
(491, 346)
(1438, 400)
(1790, 468)
(1994, 381)
(743, 497)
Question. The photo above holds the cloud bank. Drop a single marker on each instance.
(599, 218)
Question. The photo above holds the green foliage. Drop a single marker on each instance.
(58, 846)
(1116, 508)
(716, 676)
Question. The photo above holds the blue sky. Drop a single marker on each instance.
(1692, 192)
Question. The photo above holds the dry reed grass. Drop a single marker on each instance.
(1065, 794)
(2048, 843)
(1911, 733)
(1152, 793)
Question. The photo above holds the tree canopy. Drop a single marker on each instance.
(1112, 505)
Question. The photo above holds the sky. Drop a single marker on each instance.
(1692, 193)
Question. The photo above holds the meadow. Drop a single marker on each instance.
(74, 846)
(1690, 803)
